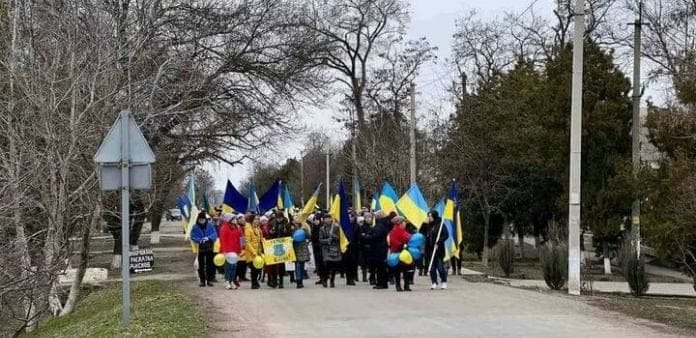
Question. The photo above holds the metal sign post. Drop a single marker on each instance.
(124, 148)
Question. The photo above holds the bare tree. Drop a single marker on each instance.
(353, 32)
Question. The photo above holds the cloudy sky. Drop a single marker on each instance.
(433, 19)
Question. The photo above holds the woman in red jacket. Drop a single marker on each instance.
(230, 243)
(398, 238)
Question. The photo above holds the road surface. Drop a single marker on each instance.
(464, 310)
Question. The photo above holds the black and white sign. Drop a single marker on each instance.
(142, 260)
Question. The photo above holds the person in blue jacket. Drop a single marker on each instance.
(204, 234)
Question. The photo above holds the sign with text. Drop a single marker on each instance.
(279, 250)
(142, 260)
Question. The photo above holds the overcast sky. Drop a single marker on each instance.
(433, 19)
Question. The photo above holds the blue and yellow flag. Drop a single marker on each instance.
(252, 200)
(446, 209)
(233, 199)
(339, 212)
(413, 206)
(191, 190)
(288, 202)
(387, 199)
(272, 198)
(357, 196)
(310, 205)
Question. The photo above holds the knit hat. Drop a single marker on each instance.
(226, 216)
(202, 215)
(397, 219)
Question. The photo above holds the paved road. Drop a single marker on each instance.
(465, 310)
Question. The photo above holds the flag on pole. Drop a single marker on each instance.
(446, 209)
(233, 199)
(413, 206)
(357, 197)
(288, 202)
(191, 189)
(339, 212)
(271, 198)
(207, 206)
(252, 200)
(387, 198)
(311, 204)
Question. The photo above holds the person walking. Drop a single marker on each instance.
(253, 248)
(436, 244)
(231, 238)
(242, 263)
(329, 238)
(315, 221)
(398, 239)
(204, 235)
(350, 257)
(301, 250)
(376, 238)
(279, 229)
(363, 227)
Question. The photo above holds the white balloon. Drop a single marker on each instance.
(232, 257)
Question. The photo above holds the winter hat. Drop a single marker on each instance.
(397, 219)
(361, 219)
(202, 215)
(226, 216)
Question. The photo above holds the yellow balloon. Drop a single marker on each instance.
(258, 262)
(405, 257)
(219, 259)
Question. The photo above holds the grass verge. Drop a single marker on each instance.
(676, 312)
(158, 310)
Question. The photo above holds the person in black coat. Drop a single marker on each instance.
(424, 262)
(350, 257)
(437, 244)
(315, 222)
(364, 227)
(376, 238)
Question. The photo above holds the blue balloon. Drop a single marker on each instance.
(415, 252)
(299, 236)
(416, 240)
(393, 259)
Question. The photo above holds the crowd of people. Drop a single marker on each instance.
(374, 236)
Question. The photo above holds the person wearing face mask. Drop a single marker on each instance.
(204, 235)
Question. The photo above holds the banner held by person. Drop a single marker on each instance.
(278, 250)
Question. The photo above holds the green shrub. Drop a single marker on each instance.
(505, 254)
(634, 272)
(554, 265)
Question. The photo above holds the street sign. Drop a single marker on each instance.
(142, 260)
(124, 159)
(138, 149)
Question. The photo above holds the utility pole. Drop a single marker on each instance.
(354, 155)
(575, 153)
(328, 180)
(635, 132)
(302, 179)
(412, 135)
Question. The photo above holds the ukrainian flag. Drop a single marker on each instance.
(191, 190)
(387, 199)
(413, 206)
(309, 206)
(446, 209)
(339, 212)
(252, 200)
(233, 199)
(357, 197)
(272, 198)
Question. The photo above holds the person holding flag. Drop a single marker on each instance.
(435, 249)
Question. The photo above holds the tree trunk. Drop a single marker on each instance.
(520, 238)
(486, 226)
(607, 261)
(75, 288)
